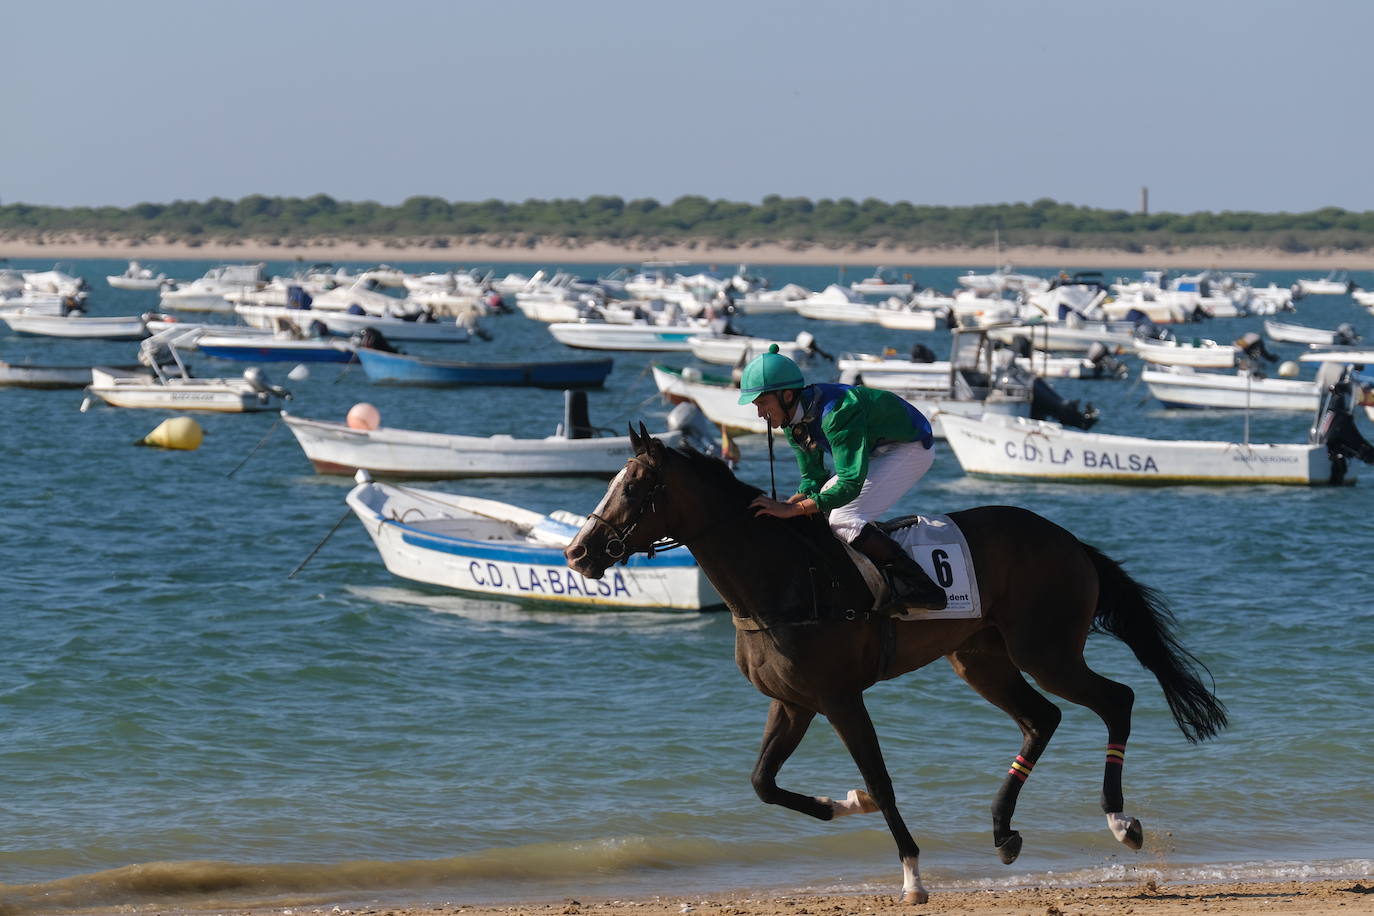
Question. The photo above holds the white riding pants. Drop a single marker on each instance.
(893, 469)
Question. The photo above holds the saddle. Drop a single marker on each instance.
(937, 544)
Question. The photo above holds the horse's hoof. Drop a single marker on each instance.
(864, 801)
(1009, 848)
(1135, 835)
(914, 898)
(1127, 830)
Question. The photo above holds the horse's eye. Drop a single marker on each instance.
(631, 489)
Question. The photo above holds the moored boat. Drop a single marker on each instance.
(485, 547)
(403, 369)
(1181, 386)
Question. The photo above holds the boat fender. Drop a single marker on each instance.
(298, 373)
(179, 433)
(364, 416)
(1288, 369)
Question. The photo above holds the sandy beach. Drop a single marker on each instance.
(1309, 898)
(552, 251)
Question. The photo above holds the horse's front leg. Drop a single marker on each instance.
(787, 724)
(851, 722)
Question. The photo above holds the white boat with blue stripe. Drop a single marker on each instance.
(485, 547)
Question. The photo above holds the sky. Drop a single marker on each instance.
(1211, 104)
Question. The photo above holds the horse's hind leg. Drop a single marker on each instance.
(1072, 679)
(982, 661)
(849, 717)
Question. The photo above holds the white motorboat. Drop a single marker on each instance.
(1182, 386)
(79, 327)
(883, 284)
(495, 549)
(572, 451)
(56, 282)
(1197, 352)
(136, 276)
(735, 349)
(1343, 335)
(171, 386)
(1336, 283)
(1015, 447)
(772, 301)
(1063, 337)
(308, 322)
(897, 315)
(837, 303)
(209, 293)
(716, 397)
(362, 293)
(644, 337)
(23, 300)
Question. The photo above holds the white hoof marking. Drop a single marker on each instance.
(913, 891)
(856, 802)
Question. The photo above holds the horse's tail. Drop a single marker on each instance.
(1138, 616)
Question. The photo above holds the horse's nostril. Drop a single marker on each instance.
(575, 552)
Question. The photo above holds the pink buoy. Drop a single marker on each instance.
(364, 416)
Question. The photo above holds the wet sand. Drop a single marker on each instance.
(554, 251)
(1315, 898)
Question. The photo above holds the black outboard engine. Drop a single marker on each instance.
(1252, 347)
(577, 422)
(920, 353)
(1345, 335)
(1048, 404)
(1104, 364)
(373, 339)
(1335, 421)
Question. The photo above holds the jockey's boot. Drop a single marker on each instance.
(911, 587)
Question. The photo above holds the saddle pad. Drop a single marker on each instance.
(935, 542)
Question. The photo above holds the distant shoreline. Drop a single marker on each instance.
(570, 251)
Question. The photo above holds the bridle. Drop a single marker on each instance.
(617, 548)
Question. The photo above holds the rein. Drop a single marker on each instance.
(617, 546)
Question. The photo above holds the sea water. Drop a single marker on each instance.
(180, 723)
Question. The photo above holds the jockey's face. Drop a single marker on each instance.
(774, 407)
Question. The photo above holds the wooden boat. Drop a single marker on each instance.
(402, 369)
(1181, 386)
(1015, 447)
(574, 450)
(489, 548)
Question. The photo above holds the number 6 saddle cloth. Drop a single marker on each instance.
(935, 542)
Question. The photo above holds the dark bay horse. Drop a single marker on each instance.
(805, 639)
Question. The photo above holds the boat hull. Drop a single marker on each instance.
(429, 547)
(1203, 389)
(335, 448)
(607, 336)
(1038, 450)
(400, 369)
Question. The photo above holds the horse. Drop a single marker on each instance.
(806, 639)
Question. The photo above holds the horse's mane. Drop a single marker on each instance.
(716, 472)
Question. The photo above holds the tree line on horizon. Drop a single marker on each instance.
(432, 220)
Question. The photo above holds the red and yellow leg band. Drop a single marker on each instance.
(1116, 753)
(1021, 768)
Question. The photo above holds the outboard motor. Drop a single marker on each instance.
(373, 339)
(577, 423)
(1345, 335)
(807, 342)
(1104, 364)
(920, 353)
(1048, 404)
(1252, 347)
(1335, 421)
(697, 431)
(258, 381)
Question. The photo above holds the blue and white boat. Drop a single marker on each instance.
(266, 347)
(484, 547)
(402, 369)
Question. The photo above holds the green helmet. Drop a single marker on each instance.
(769, 371)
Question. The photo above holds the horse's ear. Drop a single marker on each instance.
(643, 433)
(636, 442)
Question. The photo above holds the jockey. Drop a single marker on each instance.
(881, 446)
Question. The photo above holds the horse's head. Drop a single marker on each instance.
(630, 517)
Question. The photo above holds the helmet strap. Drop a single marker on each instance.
(772, 477)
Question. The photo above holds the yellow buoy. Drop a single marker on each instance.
(178, 432)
